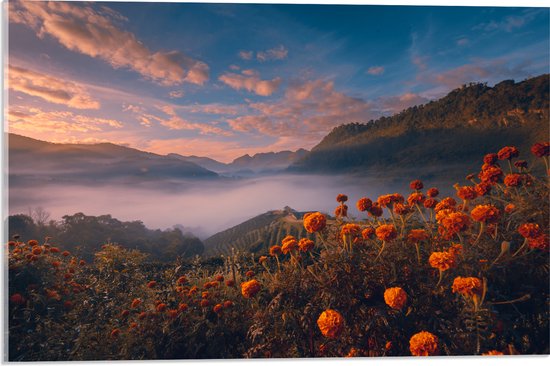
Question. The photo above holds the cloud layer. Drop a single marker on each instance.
(50, 88)
(250, 80)
(94, 33)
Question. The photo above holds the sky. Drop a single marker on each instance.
(223, 80)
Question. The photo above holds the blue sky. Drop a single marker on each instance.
(222, 80)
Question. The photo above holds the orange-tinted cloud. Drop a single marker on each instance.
(50, 88)
(375, 70)
(38, 121)
(250, 80)
(308, 109)
(277, 53)
(91, 32)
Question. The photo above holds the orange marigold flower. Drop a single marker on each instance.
(135, 303)
(352, 230)
(249, 274)
(529, 230)
(289, 244)
(432, 192)
(482, 188)
(467, 286)
(82, 262)
(182, 307)
(56, 264)
(466, 192)
(402, 209)
(275, 251)
(218, 308)
(510, 208)
(341, 198)
(384, 200)
(227, 304)
(513, 180)
(417, 235)
(161, 307)
(331, 323)
(314, 222)
(508, 153)
(455, 222)
(182, 280)
(11, 243)
(305, 244)
(65, 253)
(395, 297)
(490, 159)
(219, 278)
(52, 294)
(386, 232)
(115, 333)
(133, 325)
(124, 313)
(541, 242)
(36, 250)
(375, 210)
(492, 174)
(205, 294)
(415, 197)
(151, 284)
(363, 204)
(205, 303)
(442, 260)
(172, 313)
(430, 202)
(445, 203)
(541, 149)
(32, 242)
(250, 288)
(521, 164)
(263, 258)
(17, 299)
(423, 344)
(493, 353)
(416, 185)
(485, 213)
(230, 283)
(367, 233)
(341, 211)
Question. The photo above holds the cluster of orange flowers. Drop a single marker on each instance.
(442, 260)
(250, 288)
(467, 286)
(386, 232)
(289, 244)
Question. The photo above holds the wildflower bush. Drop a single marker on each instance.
(415, 274)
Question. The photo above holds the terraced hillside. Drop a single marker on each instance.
(257, 234)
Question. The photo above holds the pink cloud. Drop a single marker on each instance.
(173, 121)
(82, 29)
(246, 55)
(308, 109)
(250, 80)
(50, 88)
(277, 53)
(36, 120)
(375, 70)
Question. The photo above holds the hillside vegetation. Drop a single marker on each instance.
(258, 234)
(470, 121)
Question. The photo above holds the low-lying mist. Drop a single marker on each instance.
(201, 207)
